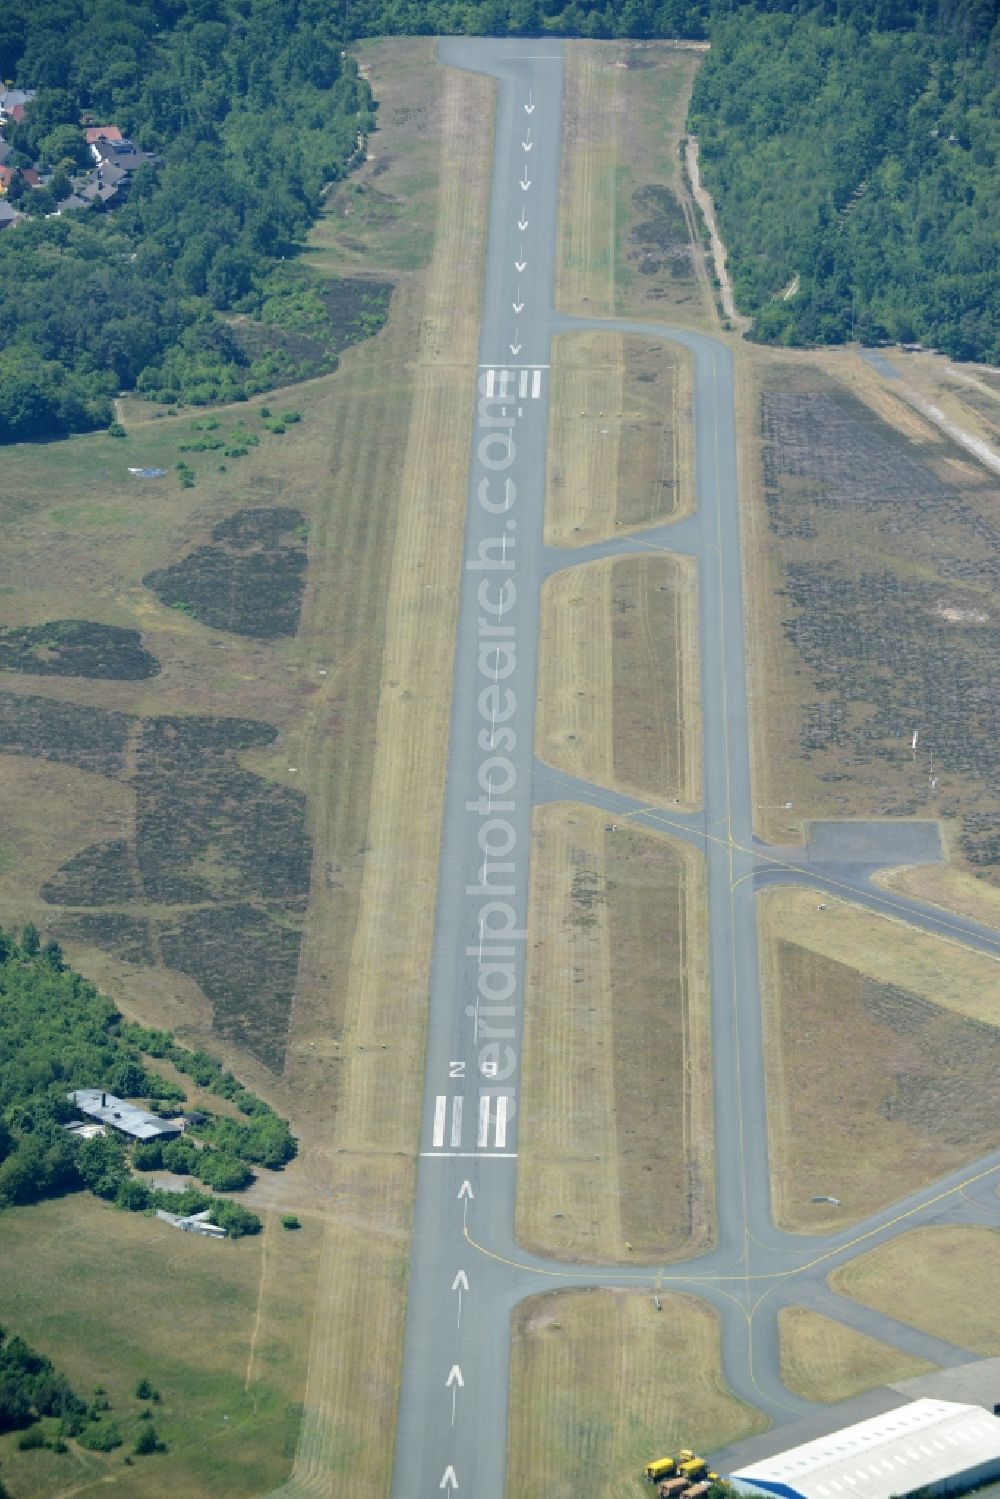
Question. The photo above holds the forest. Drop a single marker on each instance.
(251, 110)
(851, 148)
(57, 1033)
(854, 171)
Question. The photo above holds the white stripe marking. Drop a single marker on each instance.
(523, 385)
(484, 1122)
(440, 1108)
(456, 1123)
(470, 1155)
(536, 385)
(501, 1139)
(491, 377)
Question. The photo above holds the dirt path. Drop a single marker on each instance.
(707, 207)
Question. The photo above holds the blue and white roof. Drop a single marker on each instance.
(918, 1445)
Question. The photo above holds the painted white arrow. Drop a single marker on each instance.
(527, 144)
(515, 347)
(522, 224)
(520, 265)
(455, 1382)
(518, 306)
(529, 108)
(449, 1481)
(465, 1190)
(525, 182)
(460, 1284)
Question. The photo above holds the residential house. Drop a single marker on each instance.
(12, 102)
(98, 133)
(7, 215)
(6, 178)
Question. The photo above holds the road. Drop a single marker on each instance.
(467, 1272)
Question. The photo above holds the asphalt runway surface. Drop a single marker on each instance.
(467, 1272)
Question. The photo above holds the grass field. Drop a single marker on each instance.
(619, 437)
(629, 240)
(618, 675)
(617, 1140)
(875, 588)
(220, 1329)
(824, 1360)
(953, 889)
(883, 1057)
(354, 708)
(601, 1383)
(924, 1278)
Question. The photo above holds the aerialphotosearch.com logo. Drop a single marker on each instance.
(497, 952)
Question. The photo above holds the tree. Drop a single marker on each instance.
(147, 1441)
(64, 146)
(235, 1219)
(101, 1163)
(30, 939)
(223, 1173)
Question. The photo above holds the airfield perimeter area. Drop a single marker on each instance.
(362, 697)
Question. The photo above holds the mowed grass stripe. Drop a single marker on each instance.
(618, 676)
(619, 437)
(655, 655)
(601, 1383)
(348, 1433)
(333, 744)
(824, 1360)
(924, 1278)
(877, 1083)
(615, 1141)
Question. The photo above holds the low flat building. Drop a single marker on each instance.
(935, 1445)
(125, 1117)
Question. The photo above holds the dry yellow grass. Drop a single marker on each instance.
(601, 1383)
(952, 889)
(616, 1085)
(618, 675)
(619, 437)
(945, 1281)
(948, 974)
(823, 1360)
(874, 1087)
(348, 1434)
(624, 111)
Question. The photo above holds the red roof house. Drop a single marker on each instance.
(102, 133)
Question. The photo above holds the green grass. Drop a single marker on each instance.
(136, 1299)
(383, 217)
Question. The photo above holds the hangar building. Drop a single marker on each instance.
(936, 1445)
(98, 1104)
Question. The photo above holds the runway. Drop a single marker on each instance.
(466, 1270)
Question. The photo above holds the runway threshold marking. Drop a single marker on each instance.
(488, 1116)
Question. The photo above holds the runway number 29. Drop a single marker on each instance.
(456, 1069)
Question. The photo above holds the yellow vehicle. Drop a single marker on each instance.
(694, 1467)
(687, 1454)
(661, 1468)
